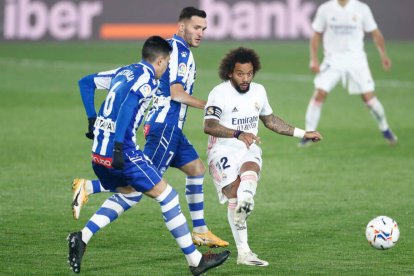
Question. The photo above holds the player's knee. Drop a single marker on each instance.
(158, 189)
(197, 168)
(125, 190)
(320, 95)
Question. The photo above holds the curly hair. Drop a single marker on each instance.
(240, 55)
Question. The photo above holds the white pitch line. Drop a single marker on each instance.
(95, 66)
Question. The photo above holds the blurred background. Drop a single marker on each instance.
(36, 20)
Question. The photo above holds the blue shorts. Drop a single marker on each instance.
(138, 172)
(167, 146)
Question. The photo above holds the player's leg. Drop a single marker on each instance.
(249, 172)
(313, 112)
(239, 230)
(81, 189)
(378, 113)
(361, 82)
(187, 161)
(324, 82)
(176, 223)
(246, 191)
(110, 210)
(226, 163)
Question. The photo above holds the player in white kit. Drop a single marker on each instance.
(343, 23)
(232, 115)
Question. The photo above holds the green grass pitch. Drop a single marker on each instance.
(312, 204)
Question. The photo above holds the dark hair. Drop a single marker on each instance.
(239, 55)
(155, 46)
(189, 12)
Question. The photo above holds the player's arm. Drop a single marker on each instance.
(214, 128)
(277, 125)
(379, 41)
(87, 88)
(179, 95)
(314, 43)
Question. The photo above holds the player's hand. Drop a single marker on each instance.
(314, 66)
(118, 156)
(249, 138)
(313, 135)
(91, 123)
(386, 62)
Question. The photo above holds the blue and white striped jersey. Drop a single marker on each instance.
(182, 70)
(130, 91)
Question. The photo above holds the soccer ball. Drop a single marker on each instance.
(382, 232)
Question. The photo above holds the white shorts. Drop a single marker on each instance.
(224, 164)
(354, 74)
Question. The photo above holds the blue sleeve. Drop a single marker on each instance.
(125, 115)
(87, 90)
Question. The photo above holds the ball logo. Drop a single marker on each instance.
(145, 90)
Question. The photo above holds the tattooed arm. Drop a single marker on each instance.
(213, 127)
(277, 125)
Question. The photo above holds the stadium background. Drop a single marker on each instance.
(312, 204)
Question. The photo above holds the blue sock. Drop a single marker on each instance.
(195, 199)
(110, 210)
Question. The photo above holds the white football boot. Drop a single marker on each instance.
(249, 258)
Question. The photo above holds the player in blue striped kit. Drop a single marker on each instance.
(119, 163)
(166, 145)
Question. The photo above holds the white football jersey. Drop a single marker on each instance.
(238, 111)
(343, 28)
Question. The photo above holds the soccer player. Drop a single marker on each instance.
(232, 115)
(166, 145)
(119, 163)
(342, 23)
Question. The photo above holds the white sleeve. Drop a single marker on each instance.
(369, 23)
(214, 106)
(266, 109)
(103, 79)
(319, 23)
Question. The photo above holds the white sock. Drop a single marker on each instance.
(94, 186)
(89, 187)
(377, 111)
(239, 234)
(313, 114)
(248, 185)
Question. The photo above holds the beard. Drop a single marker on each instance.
(238, 88)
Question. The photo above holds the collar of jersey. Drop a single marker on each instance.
(181, 40)
(346, 6)
(150, 67)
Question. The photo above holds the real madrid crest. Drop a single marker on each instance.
(210, 110)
